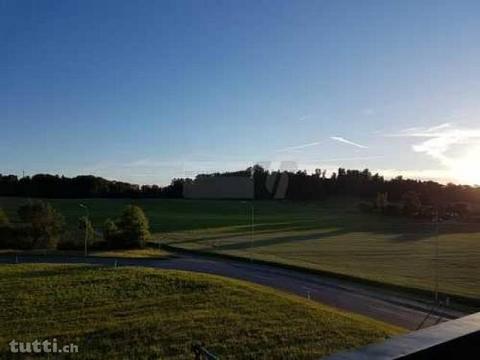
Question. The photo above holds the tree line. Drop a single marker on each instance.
(303, 186)
(84, 186)
(40, 226)
(298, 186)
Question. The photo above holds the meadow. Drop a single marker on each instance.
(330, 235)
(133, 313)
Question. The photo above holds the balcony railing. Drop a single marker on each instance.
(455, 339)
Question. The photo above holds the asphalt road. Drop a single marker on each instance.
(397, 309)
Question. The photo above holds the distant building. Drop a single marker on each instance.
(219, 187)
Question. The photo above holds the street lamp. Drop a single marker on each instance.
(86, 226)
(252, 212)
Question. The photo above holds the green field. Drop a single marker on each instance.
(331, 235)
(120, 313)
(165, 215)
(148, 252)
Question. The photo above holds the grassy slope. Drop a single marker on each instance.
(329, 235)
(145, 313)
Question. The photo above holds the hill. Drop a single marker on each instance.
(144, 313)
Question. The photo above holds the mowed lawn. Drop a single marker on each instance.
(120, 313)
(332, 235)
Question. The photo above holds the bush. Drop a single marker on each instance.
(427, 212)
(411, 203)
(69, 241)
(366, 207)
(75, 238)
(134, 227)
(111, 233)
(45, 222)
(381, 202)
(3, 218)
(461, 210)
(131, 230)
(392, 210)
(16, 237)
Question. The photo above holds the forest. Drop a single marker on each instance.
(296, 186)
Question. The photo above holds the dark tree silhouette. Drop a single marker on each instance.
(45, 223)
(301, 186)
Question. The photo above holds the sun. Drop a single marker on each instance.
(466, 169)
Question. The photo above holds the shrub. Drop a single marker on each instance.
(16, 237)
(411, 203)
(69, 241)
(3, 218)
(461, 210)
(111, 233)
(366, 207)
(381, 202)
(133, 228)
(392, 210)
(427, 212)
(75, 238)
(46, 223)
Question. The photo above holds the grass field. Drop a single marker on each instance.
(331, 235)
(165, 215)
(146, 314)
(129, 253)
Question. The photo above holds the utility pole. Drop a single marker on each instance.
(85, 207)
(437, 234)
(252, 235)
(252, 214)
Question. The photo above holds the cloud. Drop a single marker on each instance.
(439, 140)
(346, 141)
(299, 147)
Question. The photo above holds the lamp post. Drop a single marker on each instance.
(436, 261)
(252, 213)
(85, 207)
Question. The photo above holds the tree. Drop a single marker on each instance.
(411, 203)
(3, 218)
(45, 222)
(74, 239)
(110, 233)
(134, 227)
(86, 230)
(381, 201)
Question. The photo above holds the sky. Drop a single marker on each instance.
(151, 90)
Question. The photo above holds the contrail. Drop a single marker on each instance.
(346, 141)
(298, 147)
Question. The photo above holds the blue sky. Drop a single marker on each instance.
(146, 91)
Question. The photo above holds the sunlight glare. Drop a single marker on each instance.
(467, 168)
